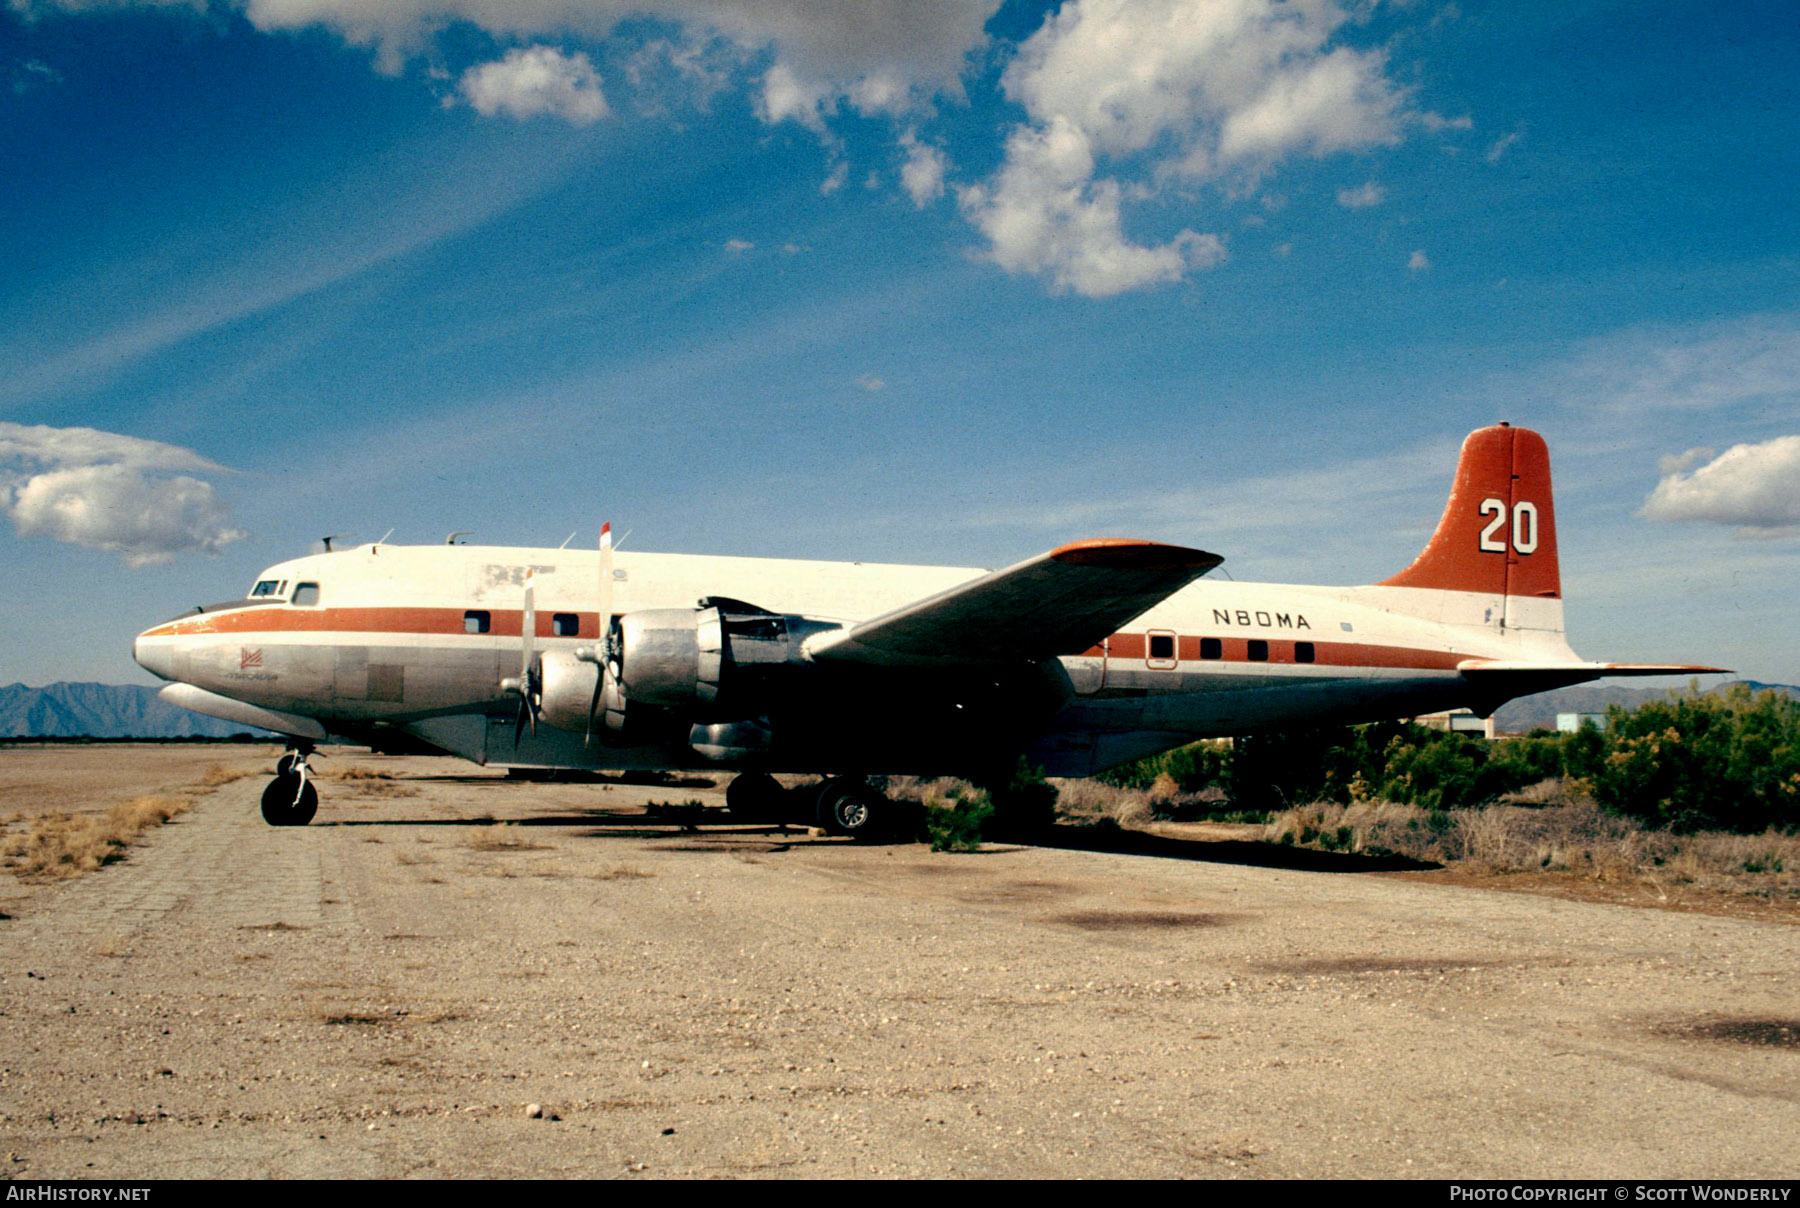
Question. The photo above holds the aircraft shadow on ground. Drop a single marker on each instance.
(600, 823)
(1227, 851)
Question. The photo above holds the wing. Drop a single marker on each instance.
(1061, 602)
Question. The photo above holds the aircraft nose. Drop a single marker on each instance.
(153, 656)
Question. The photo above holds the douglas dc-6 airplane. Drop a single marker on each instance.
(1096, 653)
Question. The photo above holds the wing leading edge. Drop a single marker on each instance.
(1061, 602)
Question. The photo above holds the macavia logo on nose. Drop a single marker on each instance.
(248, 659)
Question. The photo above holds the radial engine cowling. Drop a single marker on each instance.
(672, 658)
(708, 664)
(568, 691)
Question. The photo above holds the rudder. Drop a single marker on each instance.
(1498, 532)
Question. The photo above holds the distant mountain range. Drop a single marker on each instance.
(132, 711)
(1532, 712)
(102, 711)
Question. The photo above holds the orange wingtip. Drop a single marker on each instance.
(1126, 553)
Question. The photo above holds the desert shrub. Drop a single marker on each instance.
(1728, 761)
(1193, 768)
(1091, 802)
(1021, 801)
(954, 820)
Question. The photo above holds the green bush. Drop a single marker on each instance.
(1693, 761)
(1726, 761)
(1197, 766)
(955, 822)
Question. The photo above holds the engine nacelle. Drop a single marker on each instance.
(703, 665)
(568, 691)
(672, 657)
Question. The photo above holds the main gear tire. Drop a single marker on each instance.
(754, 797)
(848, 806)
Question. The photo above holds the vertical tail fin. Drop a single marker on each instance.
(1498, 532)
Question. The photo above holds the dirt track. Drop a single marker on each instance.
(383, 993)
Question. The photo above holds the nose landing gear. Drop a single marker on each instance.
(291, 799)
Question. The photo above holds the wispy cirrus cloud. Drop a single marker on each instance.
(105, 491)
(1710, 367)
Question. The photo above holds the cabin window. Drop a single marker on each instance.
(1212, 648)
(1259, 650)
(477, 620)
(306, 595)
(1303, 652)
(268, 588)
(565, 625)
(1162, 645)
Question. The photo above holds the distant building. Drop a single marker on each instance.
(1568, 723)
(1458, 721)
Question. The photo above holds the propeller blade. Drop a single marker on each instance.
(527, 628)
(529, 685)
(606, 588)
(602, 654)
(594, 704)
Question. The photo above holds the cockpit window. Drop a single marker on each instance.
(269, 588)
(306, 594)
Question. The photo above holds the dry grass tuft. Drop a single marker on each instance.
(67, 845)
(1092, 803)
(219, 774)
(1575, 836)
(359, 772)
(383, 788)
(621, 872)
(502, 836)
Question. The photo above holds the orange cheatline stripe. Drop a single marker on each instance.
(501, 622)
(1122, 647)
(1133, 647)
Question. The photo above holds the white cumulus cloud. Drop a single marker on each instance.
(922, 175)
(119, 494)
(880, 56)
(1046, 214)
(1361, 198)
(534, 80)
(1157, 90)
(1751, 487)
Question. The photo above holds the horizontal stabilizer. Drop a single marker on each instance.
(1062, 602)
(1498, 667)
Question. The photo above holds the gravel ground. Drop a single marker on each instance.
(387, 992)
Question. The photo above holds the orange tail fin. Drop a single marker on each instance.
(1498, 532)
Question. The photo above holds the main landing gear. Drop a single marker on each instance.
(291, 799)
(843, 805)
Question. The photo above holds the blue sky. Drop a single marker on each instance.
(895, 281)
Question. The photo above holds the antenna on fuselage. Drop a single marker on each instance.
(452, 538)
(569, 538)
(334, 537)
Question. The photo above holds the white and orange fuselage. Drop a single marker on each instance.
(418, 639)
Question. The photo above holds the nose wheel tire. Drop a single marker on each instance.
(289, 801)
